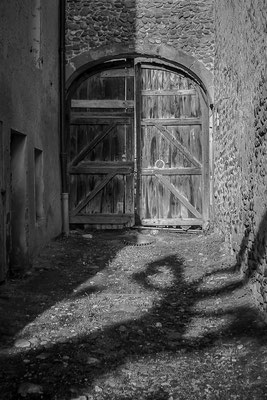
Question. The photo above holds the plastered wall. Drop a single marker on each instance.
(29, 115)
(240, 137)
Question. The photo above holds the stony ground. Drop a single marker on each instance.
(132, 316)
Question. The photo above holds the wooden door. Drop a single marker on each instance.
(173, 187)
(101, 150)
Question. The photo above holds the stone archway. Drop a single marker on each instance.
(88, 63)
(178, 58)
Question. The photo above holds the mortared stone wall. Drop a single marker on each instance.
(185, 25)
(240, 151)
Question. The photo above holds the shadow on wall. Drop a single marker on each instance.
(251, 260)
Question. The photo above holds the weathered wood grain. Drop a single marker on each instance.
(171, 137)
(101, 153)
(91, 145)
(105, 167)
(179, 195)
(93, 193)
(118, 72)
(173, 92)
(100, 120)
(179, 145)
(171, 121)
(171, 171)
(102, 104)
(138, 141)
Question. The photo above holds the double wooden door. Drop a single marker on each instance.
(138, 149)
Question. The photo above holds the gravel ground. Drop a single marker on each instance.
(130, 315)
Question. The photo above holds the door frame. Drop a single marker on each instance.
(206, 106)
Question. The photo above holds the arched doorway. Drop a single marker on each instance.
(138, 146)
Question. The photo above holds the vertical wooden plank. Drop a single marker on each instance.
(72, 151)
(129, 152)
(127, 155)
(205, 158)
(138, 153)
(102, 202)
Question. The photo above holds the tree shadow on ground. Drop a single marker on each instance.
(164, 330)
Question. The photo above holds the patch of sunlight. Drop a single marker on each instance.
(220, 282)
(75, 318)
(88, 286)
(209, 304)
(155, 375)
(201, 326)
(162, 279)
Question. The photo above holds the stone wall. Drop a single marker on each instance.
(181, 24)
(240, 155)
(30, 183)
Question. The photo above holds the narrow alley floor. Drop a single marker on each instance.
(132, 316)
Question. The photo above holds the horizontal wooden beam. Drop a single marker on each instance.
(88, 120)
(173, 92)
(107, 114)
(117, 73)
(171, 171)
(102, 103)
(91, 168)
(171, 121)
(148, 63)
(172, 222)
(105, 219)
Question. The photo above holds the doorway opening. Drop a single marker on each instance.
(38, 186)
(138, 147)
(18, 223)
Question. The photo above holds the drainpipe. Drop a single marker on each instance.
(63, 154)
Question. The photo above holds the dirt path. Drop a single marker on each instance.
(109, 316)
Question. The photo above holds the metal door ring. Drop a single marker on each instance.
(159, 164)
